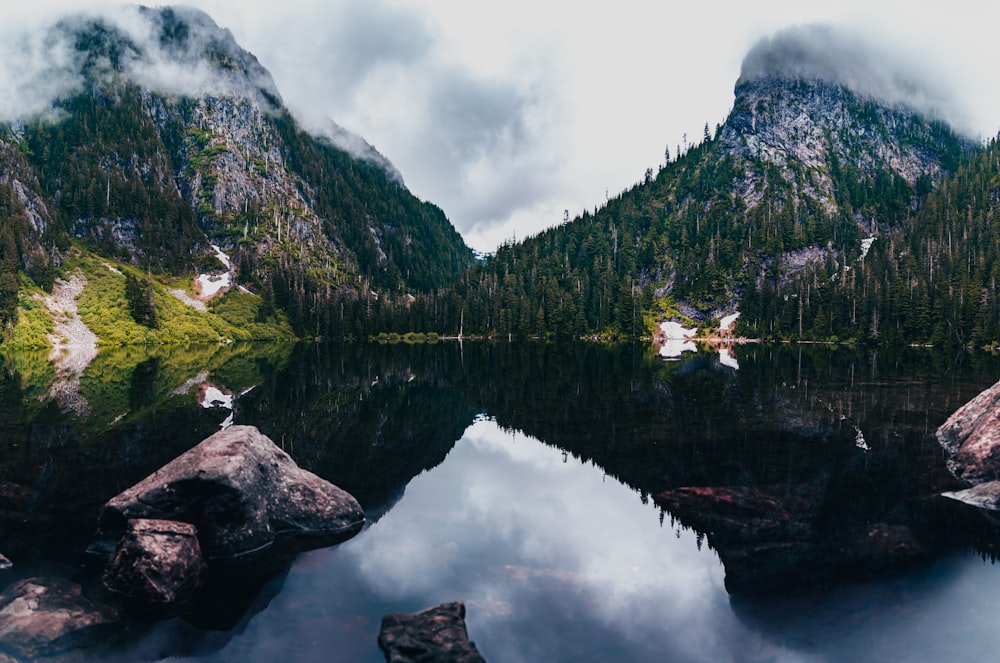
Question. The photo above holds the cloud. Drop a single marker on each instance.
(484, 136)
(171, 51)
(182, 51)
(862, 64)
(36, 67)
(472, 139)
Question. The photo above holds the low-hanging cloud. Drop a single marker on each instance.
(172, 51)
(36, 68)
(871, 69)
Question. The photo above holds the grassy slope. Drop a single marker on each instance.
(103, 308)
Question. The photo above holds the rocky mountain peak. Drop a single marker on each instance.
(812, 100)
(820, 53)
(177, 51)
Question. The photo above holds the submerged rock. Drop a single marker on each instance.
(241, 492)
(435, 635)
(157, 561)
(971, 438)
(46, 616)
(783, 538)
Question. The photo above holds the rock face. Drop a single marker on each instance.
(971, 438)
(241, 492)
(45, 616)
(797, 104)
(157, 561)
(436, 635)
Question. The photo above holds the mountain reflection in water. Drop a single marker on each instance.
(525, 480)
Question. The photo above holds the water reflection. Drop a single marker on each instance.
(541, 516)
(555, 560)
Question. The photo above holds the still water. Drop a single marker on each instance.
(535, 483)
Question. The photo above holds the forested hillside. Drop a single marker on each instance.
(170, 138)
(823, 208)
(931, 279)
(771, 215)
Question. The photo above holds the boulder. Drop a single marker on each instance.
(985, 495)
(241, 492)
(786, 538)
(436, 635)
(157, 561)
(46, 616)
(971, 438)
(763, 534)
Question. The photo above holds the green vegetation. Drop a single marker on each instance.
(930, 280)
(104, 307)
(34, 323)
(106, 166)
(122, 186)
(686, 244)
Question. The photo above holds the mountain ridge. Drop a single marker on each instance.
(828, 168)
(807, 172)
(167, 136)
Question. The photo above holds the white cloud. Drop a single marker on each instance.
(507, 114)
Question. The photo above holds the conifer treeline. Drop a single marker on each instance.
(930, 280)
(683, 237)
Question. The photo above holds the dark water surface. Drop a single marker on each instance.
(586, 503)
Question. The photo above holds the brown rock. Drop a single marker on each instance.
(241, 491)
(971, 438)
(45, 616)
(436, 635)
(157, 561)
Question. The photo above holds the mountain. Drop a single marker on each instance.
(148, 135)
(827, 153)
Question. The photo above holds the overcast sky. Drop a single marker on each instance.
(507, 114)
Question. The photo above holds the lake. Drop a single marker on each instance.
(587, 503)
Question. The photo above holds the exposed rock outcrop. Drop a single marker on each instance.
(241, 492)
(971, 438)
(157, 561)
(74, 345)
(435, 635)
(46, 616)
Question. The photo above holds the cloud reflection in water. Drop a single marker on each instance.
(555, 560)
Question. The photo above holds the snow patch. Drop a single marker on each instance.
(727, 323)
(212, 284)
(859, 440)
(675, 331)
(213, 397)
(726, 358)
(675, 347)
(866, 245)
(223, 258)
(209, 285)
